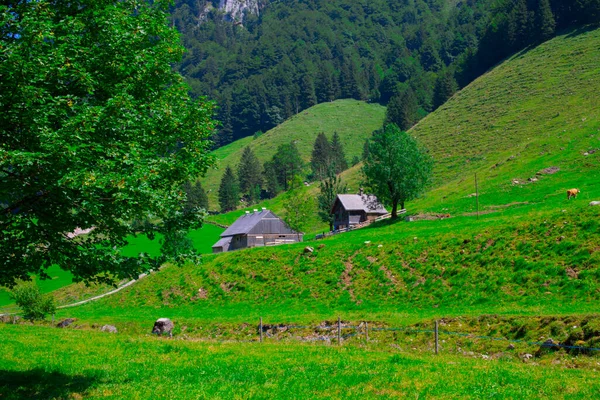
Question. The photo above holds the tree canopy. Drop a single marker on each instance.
(229, 191)
(96, 131)
(397, 169)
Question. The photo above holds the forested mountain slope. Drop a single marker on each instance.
(292, 54)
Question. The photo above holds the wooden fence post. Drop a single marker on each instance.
(339, 331)
(261, 330)
(367, 330)
(477, 194)
(437, 345)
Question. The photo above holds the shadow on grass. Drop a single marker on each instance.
(40, 384)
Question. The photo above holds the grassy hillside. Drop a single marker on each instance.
(352, 120)
(536, 110)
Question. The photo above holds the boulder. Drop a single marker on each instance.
(109, 329)
(309, 249)
(594, 203)
(162, 326)
(65, 323)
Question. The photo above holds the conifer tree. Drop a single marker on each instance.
(445, 87)
(338, 157)
(545, 23)
(321, 156)
(270, 178)
(250, 175)
(229, 194)
(403, 110)
(308, 96)
(195, 197)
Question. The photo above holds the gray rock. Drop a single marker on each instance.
(594, 203)
(162, 326)
(65, 323)
(109, 329)
(309, 249)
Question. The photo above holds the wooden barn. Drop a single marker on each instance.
(355, 209)
(259, 228)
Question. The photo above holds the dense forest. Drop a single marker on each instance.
(296, 53)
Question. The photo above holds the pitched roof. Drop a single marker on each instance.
(246, 222)
(365, 202)
(223, 242)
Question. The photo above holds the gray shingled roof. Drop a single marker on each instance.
(357, 202)
(246, 222)
(223, 242)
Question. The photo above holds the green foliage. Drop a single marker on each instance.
(321, 156)
(397, 169)
(250, 176)
(338, 156)
(196, 197)
(403, 110)
(96, 130)
(229, 191)
(445, 87)
(329, 188)
(298, 211)
(33, 304)
(287, 165)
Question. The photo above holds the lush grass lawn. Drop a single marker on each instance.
(40, 362)
(58, 279)
(203, 240)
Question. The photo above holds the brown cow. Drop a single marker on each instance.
(572, 193)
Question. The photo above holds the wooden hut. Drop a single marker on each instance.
(255, 229)
(355, 209)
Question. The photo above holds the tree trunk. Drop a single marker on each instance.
(394, 209)
(330, 226)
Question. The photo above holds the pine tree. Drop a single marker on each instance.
(338, 157)
(229, 195)
(270, 178)
(250, 176)
(321, 156)
(403, 110)
(445, 87)
(195, 197)
(545, 23)
(307, 92)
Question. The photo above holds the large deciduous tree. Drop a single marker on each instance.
(397, 169)
(329, 189)
(96, 131)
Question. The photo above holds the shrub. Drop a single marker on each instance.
(34, 305)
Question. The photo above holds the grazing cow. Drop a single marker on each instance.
(162, 326)
(572, 193)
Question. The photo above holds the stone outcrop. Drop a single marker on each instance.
(236, 10)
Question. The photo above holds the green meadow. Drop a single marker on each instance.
(41, 362)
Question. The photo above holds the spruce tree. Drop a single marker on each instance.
(270, 178)
(307, 88)
(195, 197)
(229, 194)
(338, 157)
(445, 87)
(403, 110)
(321, 156)
(250, 176)
(545, 23)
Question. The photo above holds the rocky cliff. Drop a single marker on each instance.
(237, 9)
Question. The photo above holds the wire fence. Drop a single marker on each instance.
(363, 330)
